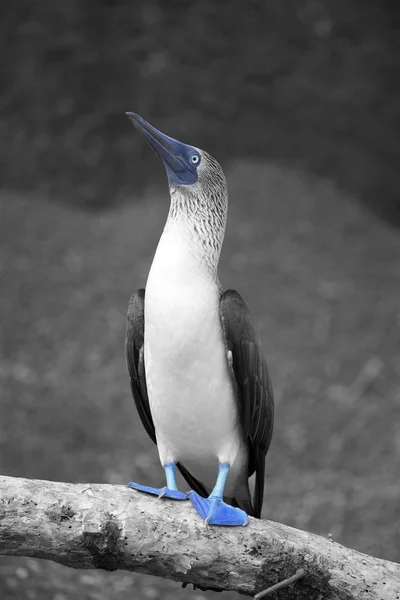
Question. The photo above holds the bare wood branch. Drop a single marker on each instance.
(112, 527)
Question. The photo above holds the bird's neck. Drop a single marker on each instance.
(181, 259)
(196, 225)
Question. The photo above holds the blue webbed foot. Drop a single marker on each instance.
(163, 492)
(215, 511)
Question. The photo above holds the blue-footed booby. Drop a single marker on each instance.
(197, 371)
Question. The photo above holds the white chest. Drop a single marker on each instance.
(191, 394)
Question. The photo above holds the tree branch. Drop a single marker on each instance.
(91, 526)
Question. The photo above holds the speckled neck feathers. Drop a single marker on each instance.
(201, 210)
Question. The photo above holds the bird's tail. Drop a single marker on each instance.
(242, 499)
(194, 483)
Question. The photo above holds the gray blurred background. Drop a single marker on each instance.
(299, 101)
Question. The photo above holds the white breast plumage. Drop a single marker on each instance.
(191, 393)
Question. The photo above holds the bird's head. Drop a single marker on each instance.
(188, 167)
(199, 198)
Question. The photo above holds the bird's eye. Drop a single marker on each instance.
(195, 159)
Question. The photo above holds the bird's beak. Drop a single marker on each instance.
(170, 151)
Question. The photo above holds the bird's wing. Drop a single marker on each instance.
(134, 354)
(253, 385)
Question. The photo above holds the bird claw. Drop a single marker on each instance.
(164, 492)
(215, 511)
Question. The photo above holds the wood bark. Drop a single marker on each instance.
(93, 526)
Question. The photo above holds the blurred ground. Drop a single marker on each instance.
(322, 279)
(310, 82)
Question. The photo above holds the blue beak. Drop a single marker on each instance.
(174, 154)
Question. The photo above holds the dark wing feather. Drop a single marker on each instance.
(134, 354)
(253, 385)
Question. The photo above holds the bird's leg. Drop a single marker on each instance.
(168, 491)
(213, 509)
(171, 489)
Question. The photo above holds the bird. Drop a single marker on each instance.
(196, 367)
